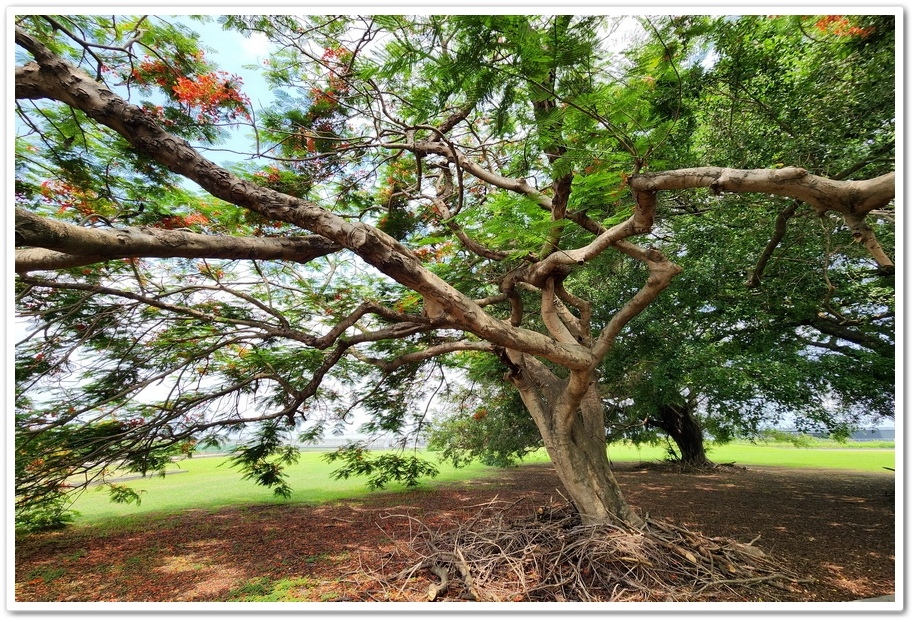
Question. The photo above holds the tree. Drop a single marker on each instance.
(423, 187)
(739, 359)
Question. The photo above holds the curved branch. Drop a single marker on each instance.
(429, 353)
(639, 223)
(823, 194)
(516, 185)
(552, 317)
(850, 334)
(779, 232)
(783, 217)
(584, 307)
(661, 272)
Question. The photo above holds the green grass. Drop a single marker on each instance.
(210, 482)
(265, 589)
(857, 456)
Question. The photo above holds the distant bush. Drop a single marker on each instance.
(799, 440)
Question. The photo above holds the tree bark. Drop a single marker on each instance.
(55, 244)
(854, 199)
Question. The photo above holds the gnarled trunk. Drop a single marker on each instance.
(570, 418)
(684, 429)
(583, 467)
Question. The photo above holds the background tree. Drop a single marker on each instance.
(746, 113)
(423, 187)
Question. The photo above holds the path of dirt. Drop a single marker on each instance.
(837, 527)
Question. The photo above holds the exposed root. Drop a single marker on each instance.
(553, 557)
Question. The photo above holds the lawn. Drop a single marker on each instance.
(857, 456)
(209, 482)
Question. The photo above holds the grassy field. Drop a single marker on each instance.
(209, 482)
(858, 456)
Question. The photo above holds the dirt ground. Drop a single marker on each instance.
(834, 527)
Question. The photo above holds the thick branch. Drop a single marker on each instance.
(635, 225)
(77, 246)
(854, 199)
(863, 233)
(551, 316)
(584, 307)
(661, 272)
(851, 335)
(783, 217)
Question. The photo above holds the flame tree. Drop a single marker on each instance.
(421, 190)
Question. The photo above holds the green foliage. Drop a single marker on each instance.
(263, 458)
(489, 422)
(50, 513)
(119, 494)
(382, 469)
(485, 436)
(49, 461)
(799, 440)
(263, 589)
(749, 357)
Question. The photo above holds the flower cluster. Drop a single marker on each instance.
(841, 27)
(180, 221)
(323, 118)
(211, 94)
(271, 175)
(67, 196)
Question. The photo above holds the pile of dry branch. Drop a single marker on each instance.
(551, 556)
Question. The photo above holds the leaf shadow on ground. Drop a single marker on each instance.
(835, 526)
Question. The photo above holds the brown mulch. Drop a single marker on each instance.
(834, 527)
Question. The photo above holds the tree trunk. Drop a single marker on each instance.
(683, 427)
(583, 467)
(571, 424)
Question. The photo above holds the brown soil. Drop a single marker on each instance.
(835, 527)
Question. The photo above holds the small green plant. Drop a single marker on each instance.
(253, 588)
(47, 574)
(264, 589)
(50, 514)
(74, 556)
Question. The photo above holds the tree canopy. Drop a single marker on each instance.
(759, 339)
(428, 199)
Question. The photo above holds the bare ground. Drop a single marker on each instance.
(835, 528)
